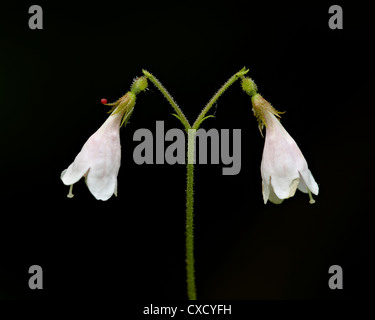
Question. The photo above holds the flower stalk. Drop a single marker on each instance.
(191, 130)
(165, 93)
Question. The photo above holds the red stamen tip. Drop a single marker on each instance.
(104, 101)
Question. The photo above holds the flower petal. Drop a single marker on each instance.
(115, 192)
(102, 176)
(265, 191)
(284, 188)
(307, 182)
(101, 187)
(77, 169)
(273, 197)
(269, 194)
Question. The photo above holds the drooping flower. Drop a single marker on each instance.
(100, 157)
(283, 167)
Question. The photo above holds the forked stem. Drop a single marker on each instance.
(190, 262)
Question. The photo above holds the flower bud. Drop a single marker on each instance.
(139, 84)
(249, 86)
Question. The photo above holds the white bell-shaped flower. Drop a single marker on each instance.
(283, 167)
(100, 157)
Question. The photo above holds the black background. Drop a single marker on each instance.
(51, 83)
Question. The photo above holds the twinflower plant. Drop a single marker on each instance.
(283, 167)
